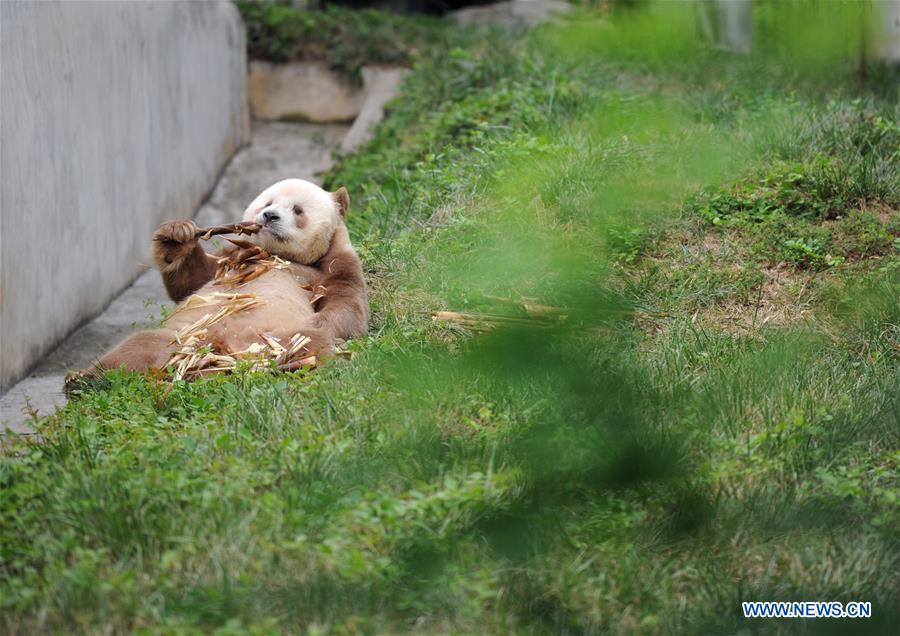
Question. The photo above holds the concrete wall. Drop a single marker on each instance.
(888, 42)
(114, 116)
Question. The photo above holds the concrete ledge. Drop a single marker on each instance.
(311, 92)
(302, 91)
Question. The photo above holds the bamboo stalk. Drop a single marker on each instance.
(483, 319)
(244, 227)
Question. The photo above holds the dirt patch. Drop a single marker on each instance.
(783, 299)
(712, 277)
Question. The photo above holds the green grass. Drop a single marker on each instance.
(344, 39)
(715, 418)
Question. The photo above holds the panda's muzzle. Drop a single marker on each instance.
(271, 220)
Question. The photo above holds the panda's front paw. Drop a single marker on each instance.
(174, 241)
(176, 232)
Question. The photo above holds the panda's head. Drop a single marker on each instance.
(298, 219)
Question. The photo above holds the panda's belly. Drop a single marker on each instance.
(282, 308)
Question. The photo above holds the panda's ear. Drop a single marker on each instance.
(343, 199)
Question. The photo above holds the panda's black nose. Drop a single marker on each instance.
(269, 215)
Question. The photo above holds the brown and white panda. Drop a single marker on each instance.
(317, 289)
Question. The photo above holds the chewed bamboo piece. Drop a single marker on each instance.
(485, 321)
(237, 302)
(196, 357)
(245, 264)
(531, 306)
(536, 315)
(245, 227)
(232, 304)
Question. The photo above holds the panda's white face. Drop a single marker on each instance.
(298, 218)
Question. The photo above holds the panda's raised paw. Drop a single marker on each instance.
(184, 231)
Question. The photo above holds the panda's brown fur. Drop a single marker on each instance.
(303, 225)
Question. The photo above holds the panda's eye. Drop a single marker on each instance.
(298, 209)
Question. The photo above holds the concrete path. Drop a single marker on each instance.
(277, 151)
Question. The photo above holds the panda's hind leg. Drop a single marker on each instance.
(140, 351)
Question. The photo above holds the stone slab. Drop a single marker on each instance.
(307, 91)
